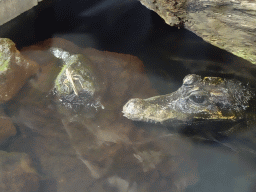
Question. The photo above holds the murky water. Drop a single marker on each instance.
(108, 152)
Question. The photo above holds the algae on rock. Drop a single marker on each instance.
(15, 69)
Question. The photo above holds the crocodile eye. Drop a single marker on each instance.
(200, 99)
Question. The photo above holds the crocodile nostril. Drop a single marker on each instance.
(220, 105)
(133, 106)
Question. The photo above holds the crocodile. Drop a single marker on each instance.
(198, 99)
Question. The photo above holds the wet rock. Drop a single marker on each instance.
(77, 84)
(17, 174)
(15, 69)
(173, 12)
(10, 10)
(213, 21)
(162, 164)
(7, 129)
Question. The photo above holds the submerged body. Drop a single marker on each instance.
(211, 98)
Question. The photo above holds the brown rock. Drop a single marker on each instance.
(17, 174)
(11, 9)
(7, 128)
(15, 69)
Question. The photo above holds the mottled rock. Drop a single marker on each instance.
(17, 174)
(15, 69)
(11, 9)
(227, 24)
(166, 164)
(77, 84)
(7, 128)
(173, 12)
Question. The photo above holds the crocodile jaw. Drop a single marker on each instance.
(142, 110)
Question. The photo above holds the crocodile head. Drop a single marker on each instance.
(210, 98)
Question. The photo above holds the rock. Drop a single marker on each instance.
(15, 69)
(77, 84)
(11, 9)
(7, 128)
(173, 12)
(156, 165)
(227, 24)
(17, 174)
